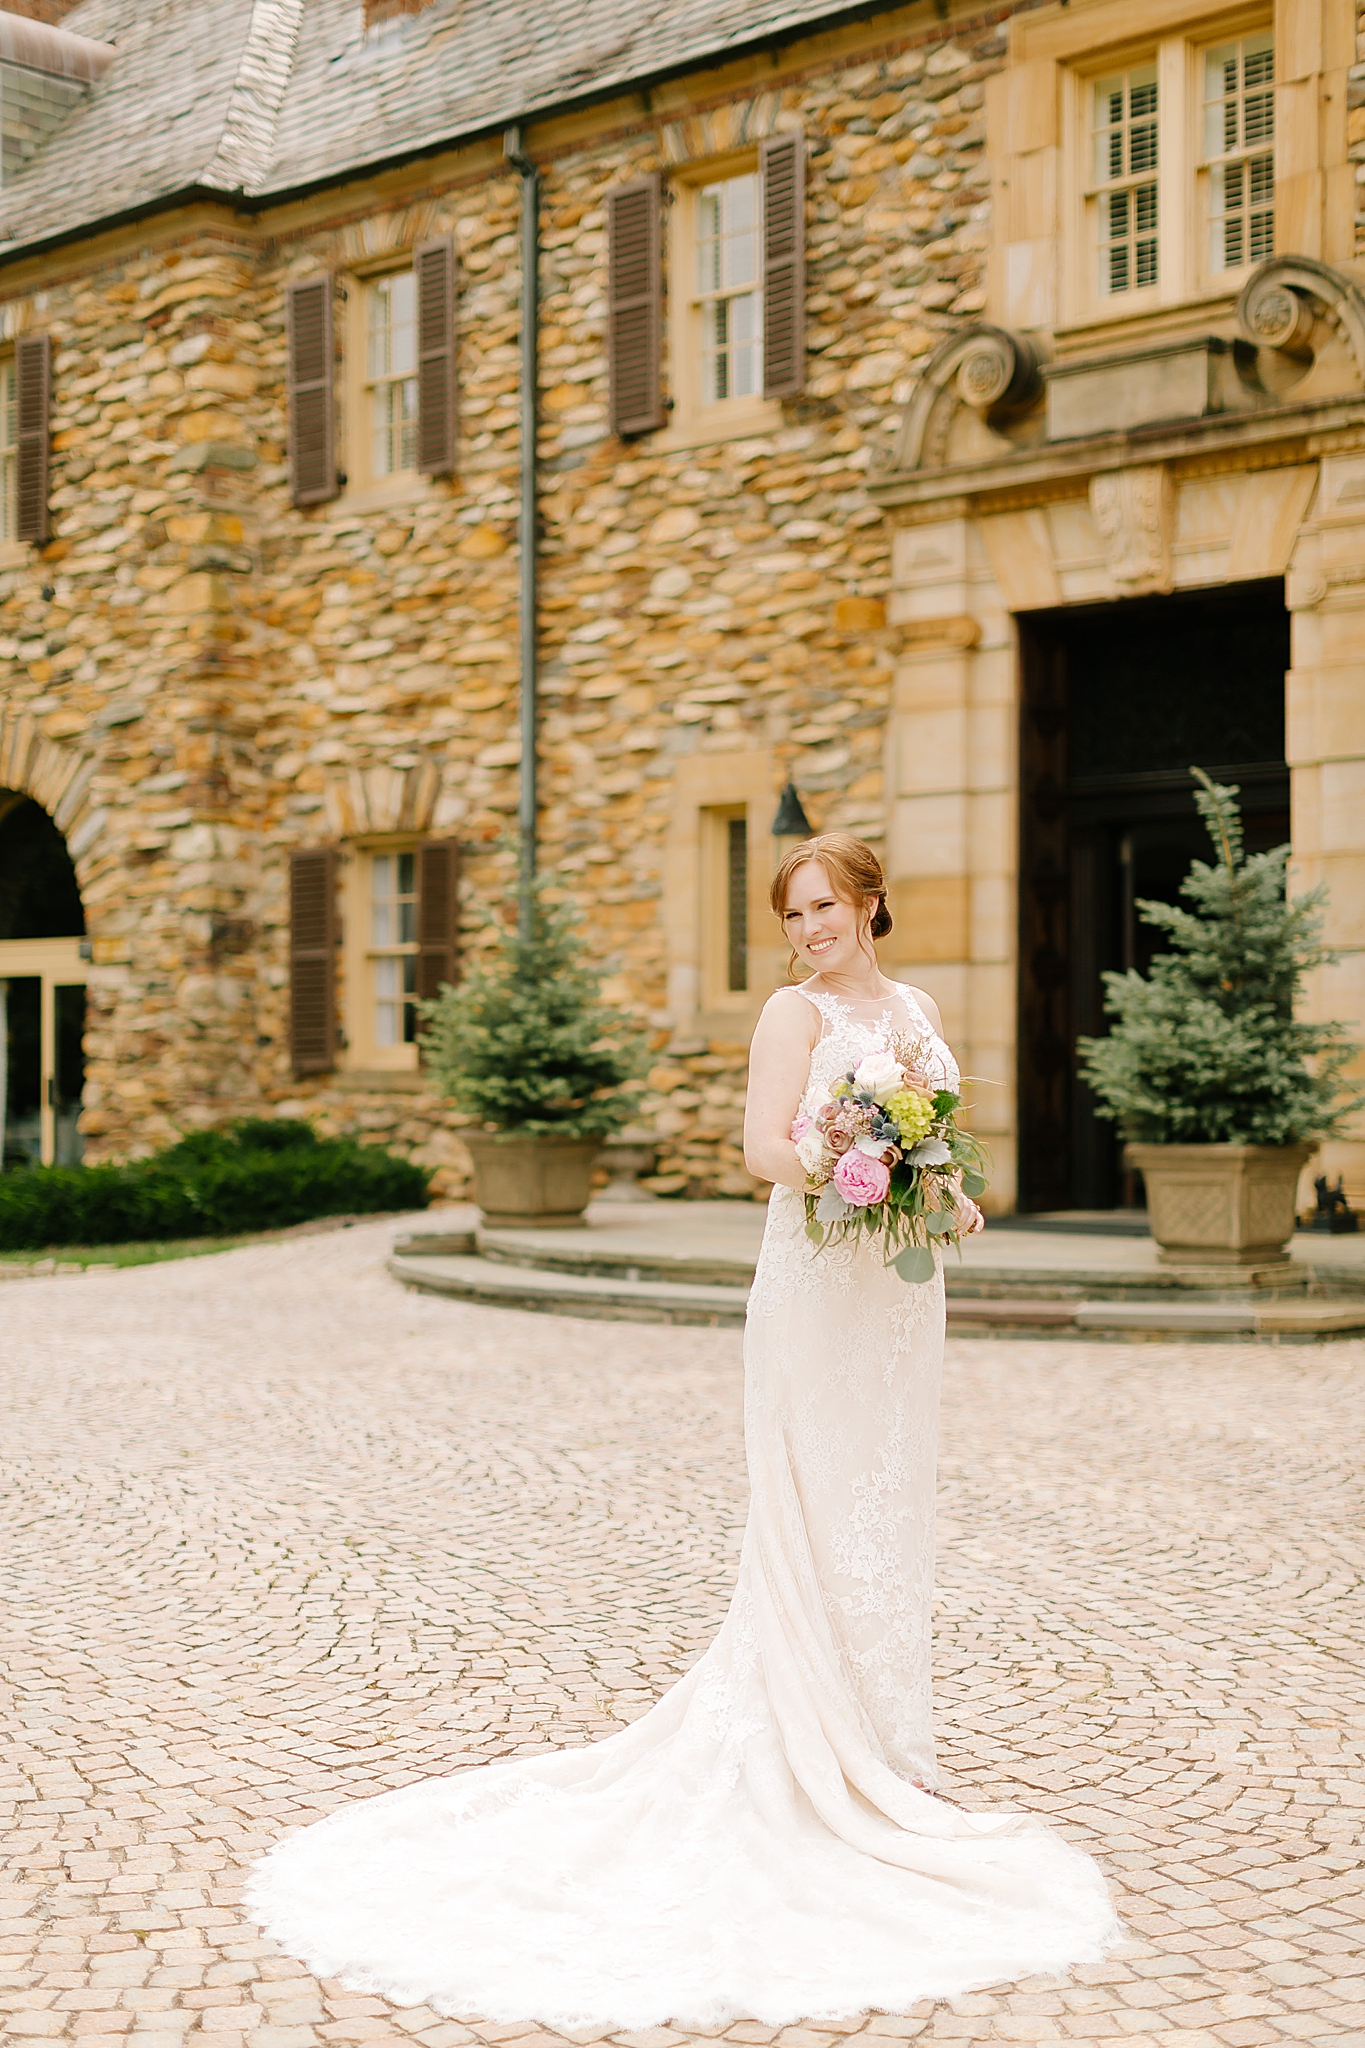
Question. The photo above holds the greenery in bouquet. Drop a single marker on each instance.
(525, 1042)
(1207, 1048)
(886, 1158)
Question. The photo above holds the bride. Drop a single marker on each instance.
(765, 1843)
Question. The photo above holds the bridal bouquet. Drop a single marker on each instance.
(884, 1156)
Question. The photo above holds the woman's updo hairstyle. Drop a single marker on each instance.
(854, 871)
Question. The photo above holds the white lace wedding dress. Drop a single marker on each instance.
(755, 1847)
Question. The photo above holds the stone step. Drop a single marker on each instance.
(624, 1295)
(498, 1284)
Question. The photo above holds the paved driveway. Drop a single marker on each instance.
(275, 1533)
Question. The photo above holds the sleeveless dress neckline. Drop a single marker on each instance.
(756, 1846)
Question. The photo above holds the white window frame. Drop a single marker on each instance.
(1184, 270)
(363, 1049)
(364, 489)
(694, 420)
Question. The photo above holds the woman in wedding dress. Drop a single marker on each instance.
(766, 1842)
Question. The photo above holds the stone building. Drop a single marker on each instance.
(960, 413)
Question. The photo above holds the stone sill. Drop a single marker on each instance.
(750, 420)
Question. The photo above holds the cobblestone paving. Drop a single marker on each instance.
(275, 1534)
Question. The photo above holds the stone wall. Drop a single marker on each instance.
(235, 677)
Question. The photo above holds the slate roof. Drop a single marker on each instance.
(261, 97)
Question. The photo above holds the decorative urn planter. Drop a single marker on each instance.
(523, 1183)
(1222, 1212)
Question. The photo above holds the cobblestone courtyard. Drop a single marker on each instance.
(276, 1534)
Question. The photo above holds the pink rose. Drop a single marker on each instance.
(861, 1181)
(800, 1125)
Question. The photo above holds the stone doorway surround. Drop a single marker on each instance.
(1021, 484)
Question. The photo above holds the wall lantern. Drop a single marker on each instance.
(791, 821)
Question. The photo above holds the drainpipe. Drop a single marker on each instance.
(530, 352)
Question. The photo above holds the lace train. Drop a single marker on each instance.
(756, 1846)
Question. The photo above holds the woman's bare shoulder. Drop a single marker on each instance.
(788, 1015)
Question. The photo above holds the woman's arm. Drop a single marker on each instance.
(779, 1061)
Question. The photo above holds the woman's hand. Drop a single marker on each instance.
(779, 1061)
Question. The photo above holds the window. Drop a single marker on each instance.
(9, 446)
(728, 289)
(737, 904)
(1125, 182)
(725, 905)
(1172, 165)
(391, 373)
(393, 949)
(1239, 128)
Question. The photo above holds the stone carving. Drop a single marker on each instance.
(1133, 514)
(1282, 302)
(995, 373)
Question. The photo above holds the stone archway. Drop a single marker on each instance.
(43, 975)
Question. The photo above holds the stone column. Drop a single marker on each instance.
(952, 809)
(1325, 747)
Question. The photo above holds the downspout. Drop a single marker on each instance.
(530, 351)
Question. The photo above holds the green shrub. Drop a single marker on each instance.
(526, 1042)
(1207, 1048)
(256, 1175)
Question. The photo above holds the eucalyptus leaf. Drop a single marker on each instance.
(973, 1186)
(915, 1263)
(940, 1221)
(815, 1233)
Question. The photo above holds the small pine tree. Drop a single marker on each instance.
(1207, 1049)
(525, 1041)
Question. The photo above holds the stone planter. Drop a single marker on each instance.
(626, 1158)
(531, 1183)
(1222, 1213)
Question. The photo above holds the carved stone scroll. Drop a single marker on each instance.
(995, 373)
(1282, 301)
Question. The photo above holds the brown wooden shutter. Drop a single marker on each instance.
(782, 164)
(312, 441)
(312, 960)
(33, 383)
(434, 265)
(634, 292)
(438, 915)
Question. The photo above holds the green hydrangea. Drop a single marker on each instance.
(911, 1113)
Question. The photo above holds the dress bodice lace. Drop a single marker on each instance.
(850, 1030)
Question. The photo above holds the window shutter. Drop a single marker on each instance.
(434, 264)
(782, 163)
(634, 290)
(312, 961)
(33, 383)
(312, 446)
(438, 915)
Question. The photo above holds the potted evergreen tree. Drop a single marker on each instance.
(526, 1046)
(1221, 1091)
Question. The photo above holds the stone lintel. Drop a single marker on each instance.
(1164, 382)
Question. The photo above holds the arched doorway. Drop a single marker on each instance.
(43, 972)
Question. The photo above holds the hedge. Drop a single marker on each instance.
(256, 1175)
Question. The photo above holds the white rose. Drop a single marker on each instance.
(810, 1150)
(879, 1075)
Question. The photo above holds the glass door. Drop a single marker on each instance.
(42, 1057)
